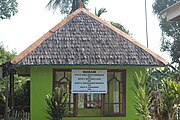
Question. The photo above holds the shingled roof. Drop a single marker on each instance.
(85, 39)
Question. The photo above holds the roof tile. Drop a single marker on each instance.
(84, 40)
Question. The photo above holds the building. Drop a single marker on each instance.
(172, 12)
(93, 61)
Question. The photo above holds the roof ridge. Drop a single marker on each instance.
(44, 37)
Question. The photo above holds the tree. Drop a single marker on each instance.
(170, 97)
(21, 94)
(121, 27)
(160, 5)
(5, 56)
(69, 6)
(170, 30)
(8, 8)
(65, 6)
(165, 92)
(100, 11)
(2, 103)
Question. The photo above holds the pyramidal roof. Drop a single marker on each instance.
(84, 39)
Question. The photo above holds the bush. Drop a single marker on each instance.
(56, 104)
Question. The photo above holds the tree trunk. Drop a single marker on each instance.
(169, 115)
(75, 5)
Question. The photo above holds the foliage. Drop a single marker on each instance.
(160, 5)
(69, 6)
(2, 96)
(5, 55)
(100, 11)
(121, 27)
(142, 95)
(117, 25)
(169, 30)
(22, 93)
(169, 71)
(65, 6)
(171, 38)
(165, 89)
(21, 90)
(2, 102)
(8, 8)
(56, 104)
(170, 97)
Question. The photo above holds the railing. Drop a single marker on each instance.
(20, 114)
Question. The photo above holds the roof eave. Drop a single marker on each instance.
(165, 10)
(145, 65)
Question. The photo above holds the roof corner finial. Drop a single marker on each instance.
(81, 5)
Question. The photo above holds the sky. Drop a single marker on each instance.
(33, 20)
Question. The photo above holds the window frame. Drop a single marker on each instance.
(75, 96)
(123, 102)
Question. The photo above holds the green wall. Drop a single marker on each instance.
(41, 85)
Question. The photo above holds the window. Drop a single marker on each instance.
(113, 103)
(62, 79)
(115, 97)
(89, 104)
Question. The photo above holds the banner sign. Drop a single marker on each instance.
(89, 81)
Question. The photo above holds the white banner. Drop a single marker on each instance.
(89, 81)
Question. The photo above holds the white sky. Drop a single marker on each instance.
(33, 20)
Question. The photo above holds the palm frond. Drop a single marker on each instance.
(143, 95)
(56, 104)
(64, 6)
(100, 11)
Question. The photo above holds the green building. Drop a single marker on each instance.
(93, 61)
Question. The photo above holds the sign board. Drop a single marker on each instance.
(89, 81)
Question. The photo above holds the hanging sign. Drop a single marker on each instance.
(89, 81)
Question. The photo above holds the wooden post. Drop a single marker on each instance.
(102, 104)
(124, 91)
(11, 89)
(5, 70)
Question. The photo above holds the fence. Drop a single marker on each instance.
(20, 115)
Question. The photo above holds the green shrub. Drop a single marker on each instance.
(56, 104)
(143, 95)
